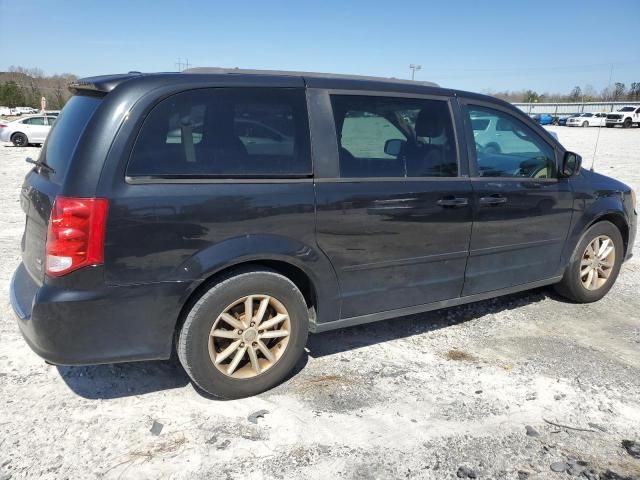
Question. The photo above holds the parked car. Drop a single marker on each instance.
(562, 119)
(543, 118)
(393, 198)
(25, 111)
(588, 119)
(26, 131)
(493, 135)
(625, 117)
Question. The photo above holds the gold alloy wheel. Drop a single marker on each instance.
(249, 336)
(597, 262)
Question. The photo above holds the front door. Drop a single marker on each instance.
(522, 208)
(396, 221)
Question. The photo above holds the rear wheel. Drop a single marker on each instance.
(245, 334)
(19, 140)
(627, 123)
(595, 264)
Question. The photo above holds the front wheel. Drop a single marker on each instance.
(627, 123)
(595, 264)
(19, 140)
(585, 124)
(245, 334)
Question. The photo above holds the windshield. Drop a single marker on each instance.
(65, 133)
(626, 109)
(587, 114)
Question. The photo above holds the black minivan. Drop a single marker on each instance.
(228, 213)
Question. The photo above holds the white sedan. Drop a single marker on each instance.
(25, 131)
(588, 120)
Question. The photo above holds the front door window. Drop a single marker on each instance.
(506, 147)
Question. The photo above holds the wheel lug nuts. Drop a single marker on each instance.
(241, 345)
(254, 344)
(252, 324)
(239, 332)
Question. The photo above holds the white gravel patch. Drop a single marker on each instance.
(416, 397)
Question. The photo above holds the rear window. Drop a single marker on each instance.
(225, 132)
(66, 131)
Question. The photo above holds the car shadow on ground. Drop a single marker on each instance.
(124, 379)
(341, 340)
(140, 378)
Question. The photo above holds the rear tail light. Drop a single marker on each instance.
(2, 125)
(75, 237)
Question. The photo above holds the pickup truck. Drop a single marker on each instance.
(626, 117)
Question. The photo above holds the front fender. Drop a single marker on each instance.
(253, 248)
(588, 209)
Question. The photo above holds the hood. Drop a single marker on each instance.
(599, 179)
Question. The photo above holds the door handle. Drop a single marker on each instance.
(493, 200)
(453, 202)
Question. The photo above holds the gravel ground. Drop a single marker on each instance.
(466, 392)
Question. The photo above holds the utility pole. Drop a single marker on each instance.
(413, 68)
(182, 66)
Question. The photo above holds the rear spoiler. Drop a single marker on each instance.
(100, 84)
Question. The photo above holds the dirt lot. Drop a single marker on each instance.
(479, 387)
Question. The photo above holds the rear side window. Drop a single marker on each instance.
(394, 137)
(34, 121)
(225, 132)
(65, 133)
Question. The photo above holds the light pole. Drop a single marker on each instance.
(413, 68)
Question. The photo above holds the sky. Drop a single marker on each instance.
(485, 46)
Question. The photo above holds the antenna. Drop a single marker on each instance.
(595, 148)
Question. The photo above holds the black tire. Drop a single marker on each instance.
(571, 285)
(610, 126)
(193, 338)
(585, 124)
(19, 140)
(627, 123)
(492, 149)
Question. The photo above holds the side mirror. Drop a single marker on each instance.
(393, 147)
(571, 164)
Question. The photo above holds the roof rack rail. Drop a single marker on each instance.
(243, 71)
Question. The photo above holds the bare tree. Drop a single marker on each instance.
(618, 91)
(576, 94)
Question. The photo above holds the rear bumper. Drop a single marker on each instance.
(111, 324)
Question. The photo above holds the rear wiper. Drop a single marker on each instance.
(40, 164)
